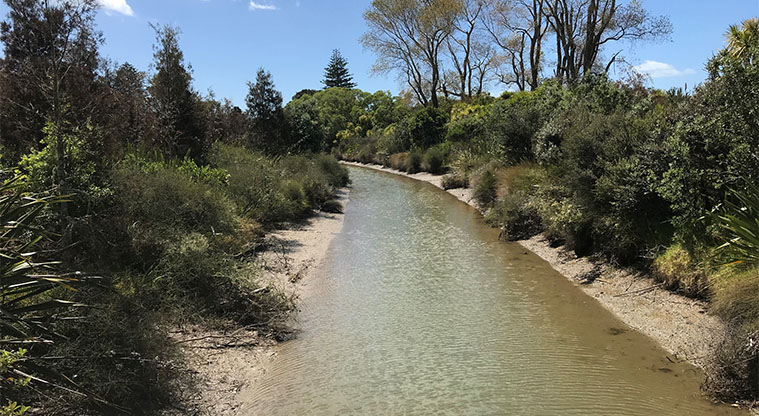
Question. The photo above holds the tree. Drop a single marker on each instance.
(518, 28)
(472, 58)
(128, 119)
(336, 73)
(51, 53)
(407, 36)
(740, 39)
(303, 92)
(583, 27)
(265, 114)
(305, 124)
(173, 99)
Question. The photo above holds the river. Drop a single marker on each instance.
(420, 309)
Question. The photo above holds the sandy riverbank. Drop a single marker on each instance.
(680, 325)
(224, 362)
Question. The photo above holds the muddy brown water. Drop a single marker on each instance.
(419, 309)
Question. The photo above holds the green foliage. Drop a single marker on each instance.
(433, 160)
(336, 73)
(738, 222)
(455, 180)
(516, 212)
(424, 128)
(303, 117)
(414, 161)
(266, 116)
(678, 270)
(485, 189)
(286, 189)
(26, 281)
(13, 409)
(40, 167)
(512, 122)
(175, 102)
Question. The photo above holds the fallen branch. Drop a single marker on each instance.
(640, 291)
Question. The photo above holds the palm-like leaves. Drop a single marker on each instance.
(26, 309)
(739, 223)
(740, 39)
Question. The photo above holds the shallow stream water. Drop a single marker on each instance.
(419, 309)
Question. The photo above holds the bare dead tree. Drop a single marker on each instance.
(584, 27)
(471, 56)
(407, 36)
(518, 28)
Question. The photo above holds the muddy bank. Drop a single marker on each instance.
(224, 362)
(680, 325)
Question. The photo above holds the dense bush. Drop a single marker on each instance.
(677, 269)
(516, 210)
(455, 180)
(433, 160)
(270, 191)
(485, 189)
(424, 129)
(512, 121)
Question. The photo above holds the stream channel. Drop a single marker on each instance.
(419, 309)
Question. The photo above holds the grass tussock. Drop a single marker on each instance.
(455, 180)
(679, 271)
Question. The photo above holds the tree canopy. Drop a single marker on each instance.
(336, 73)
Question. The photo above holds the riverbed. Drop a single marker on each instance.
(418, 308)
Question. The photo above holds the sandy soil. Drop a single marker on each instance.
(223, 362)
(679, 324)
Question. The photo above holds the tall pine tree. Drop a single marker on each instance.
(266, 116)
(336, 73)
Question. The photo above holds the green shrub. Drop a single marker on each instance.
(516, 213)
(413, 162)
(546, 143)
(423, 129)
(466, 128)
(512, 122)
(286, 189)
(734, 372)
(455, 180)
(485, 190)
(677, 269)
(515, 216)
(433, 160)
(336, 174)
(738, 223)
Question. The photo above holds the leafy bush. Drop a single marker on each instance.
(485, 189)
(516, 213)
(512, 122)
(414, 162)
(677, 269)
(433, 160)
(455, 180)
(424, 129)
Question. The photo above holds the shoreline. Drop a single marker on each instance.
(680, 325)
(223, 363)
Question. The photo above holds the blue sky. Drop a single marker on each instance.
(227, 40)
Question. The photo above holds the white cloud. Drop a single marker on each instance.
(120, 6)
(255, 6)
(661, 70)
